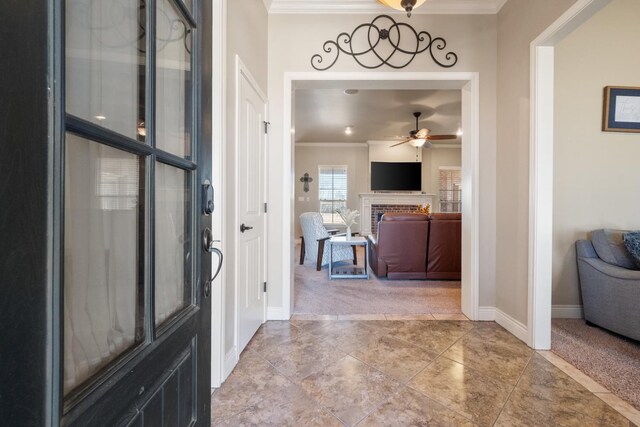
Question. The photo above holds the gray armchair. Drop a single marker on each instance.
(610, 292)
(314, 236)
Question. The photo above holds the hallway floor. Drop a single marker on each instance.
(400, 373)
(314, 293)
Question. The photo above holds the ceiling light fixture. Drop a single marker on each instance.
(406, 5)
(348, 130)
(418, 142)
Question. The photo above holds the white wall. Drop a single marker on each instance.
(596, 174)
(519, 23)
(291, 45)
(309, 158)
(246, 37)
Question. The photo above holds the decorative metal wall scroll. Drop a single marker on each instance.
(306, 179)
(365, 45)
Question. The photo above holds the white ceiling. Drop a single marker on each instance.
(373, 6)
(321, 115)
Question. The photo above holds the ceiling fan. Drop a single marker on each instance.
(421, 137)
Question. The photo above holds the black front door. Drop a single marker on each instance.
(116, 306)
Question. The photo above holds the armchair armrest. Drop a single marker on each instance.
(612, 271)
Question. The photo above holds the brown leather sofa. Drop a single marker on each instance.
(417, 246)
(444, 246)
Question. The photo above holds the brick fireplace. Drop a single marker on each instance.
(378, 210)
(372, 204)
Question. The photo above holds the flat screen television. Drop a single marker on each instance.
(396, 176)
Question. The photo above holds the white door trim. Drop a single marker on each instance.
(242, 72)
(541, 167)
(218, 168)
(469, 82)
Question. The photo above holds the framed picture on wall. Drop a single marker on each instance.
(621, 109)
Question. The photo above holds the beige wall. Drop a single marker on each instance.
(291, 46)
(519, 23)
(432, 159)
(596, 174)
(309, 158)
(246, 37)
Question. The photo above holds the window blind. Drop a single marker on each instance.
(450, 190)
(332, 189)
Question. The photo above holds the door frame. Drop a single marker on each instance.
(242, 72)
(469, 84)
(218, 173)
(541, 141)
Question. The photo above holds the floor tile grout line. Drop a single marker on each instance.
(379, 404)
(314, 401)
(506, 402)
(597, 394)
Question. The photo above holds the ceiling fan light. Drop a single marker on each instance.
(404, 5)
(418, 142)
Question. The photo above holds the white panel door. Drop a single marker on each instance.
(251, 216)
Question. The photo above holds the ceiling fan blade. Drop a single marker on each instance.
(441, 137)
(402, 142)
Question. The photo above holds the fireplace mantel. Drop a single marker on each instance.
(367, 200)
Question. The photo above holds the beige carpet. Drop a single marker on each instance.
(314, 293)
(609, 359)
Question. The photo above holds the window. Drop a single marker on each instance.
(450, 189)
(332, 192)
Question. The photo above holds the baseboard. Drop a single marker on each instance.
(487, 314)
(230, 362)
(276, 313)
(567, 312)
(512, 325)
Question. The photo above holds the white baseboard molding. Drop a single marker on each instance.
(487, 314)
(230, 362)
(567, 312)
(276, 313)
(512, 325)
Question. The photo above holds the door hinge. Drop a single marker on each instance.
(265, 208)
(264, 287)
(266, 126)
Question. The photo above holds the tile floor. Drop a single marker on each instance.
(402, 373)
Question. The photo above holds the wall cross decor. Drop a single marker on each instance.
(378, 43)
(306, 179)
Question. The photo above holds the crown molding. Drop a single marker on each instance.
(431, 7)
(332, 144)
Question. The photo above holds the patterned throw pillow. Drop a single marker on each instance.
(632, 243)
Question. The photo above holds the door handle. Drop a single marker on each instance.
(207, 243)
(244, 228)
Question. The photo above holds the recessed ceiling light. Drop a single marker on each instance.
(100, 117)
(348, 130)
(351, 91)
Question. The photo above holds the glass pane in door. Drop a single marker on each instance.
(173, 260)
(105, 64)
(103, 261)
(173, 81)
